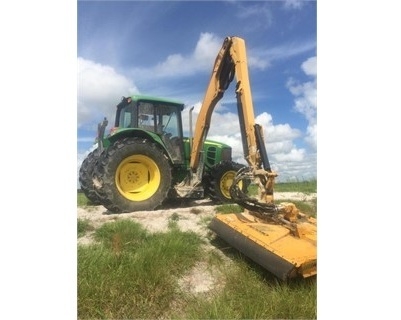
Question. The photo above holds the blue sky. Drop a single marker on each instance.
(167, 49)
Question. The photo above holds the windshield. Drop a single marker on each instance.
(159, 118)
(154, 116)
(125, 120)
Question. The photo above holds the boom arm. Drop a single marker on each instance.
(232, 60)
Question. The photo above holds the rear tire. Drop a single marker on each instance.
(133, 174)
(85, 177)
(221, 178)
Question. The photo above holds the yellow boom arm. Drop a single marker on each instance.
(232, 60)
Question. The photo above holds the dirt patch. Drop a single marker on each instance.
(189, 216)
(295, 196)
(199, 279)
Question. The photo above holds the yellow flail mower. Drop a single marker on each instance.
(284, 244)
(280, 238)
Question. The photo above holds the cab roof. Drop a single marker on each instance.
(139, 97)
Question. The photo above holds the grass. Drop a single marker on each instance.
(229, 208)
(251, 293)
(303, 186)
(130, 273)
(83, 227)
(82, 200)
(306, 187)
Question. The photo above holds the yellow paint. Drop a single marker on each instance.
(137, 177)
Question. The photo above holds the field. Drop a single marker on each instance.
(167, 264)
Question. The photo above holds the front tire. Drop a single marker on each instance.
(221, 178)
(133, 174)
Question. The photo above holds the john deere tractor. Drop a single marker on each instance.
(145, 155)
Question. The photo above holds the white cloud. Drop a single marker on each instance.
(306, 98)
(311, 137)
(305, 102)
(262, 57)
(276, 133)
(100, 88)
(86, 139)
(279, 139)
(309, 66)
(234, 141)
(202, 58)
(178, 65)
(259, 13)
(288, 49)
(293, 4)
(296, 170)
(294, 155)
(206, 48)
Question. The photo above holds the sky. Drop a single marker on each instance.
(168, 48)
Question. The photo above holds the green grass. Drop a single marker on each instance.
(83, 227)
(306, 187)
(82, 200)
(302, 186)
(131, 273)
(229, 208)
(251, 293)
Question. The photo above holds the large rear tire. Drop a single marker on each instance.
(221, 178)
(133, 174)
(85, 177)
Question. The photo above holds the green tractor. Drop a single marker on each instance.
(136, 166)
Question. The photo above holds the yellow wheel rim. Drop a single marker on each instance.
(226, 181)
(137, 177)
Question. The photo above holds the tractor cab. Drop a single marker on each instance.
(154, 115)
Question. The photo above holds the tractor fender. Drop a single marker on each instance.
(139, 133)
